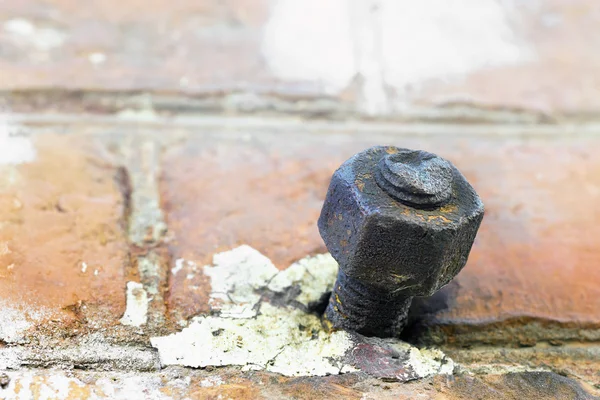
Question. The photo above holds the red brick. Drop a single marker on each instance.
(158, 44)
(217, 47)
(62, 210)
(535, 255)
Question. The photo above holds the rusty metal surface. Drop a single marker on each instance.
(395, 236)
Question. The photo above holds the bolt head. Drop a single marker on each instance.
(399, 220)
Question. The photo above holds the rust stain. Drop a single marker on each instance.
(63, 217)
(360, 185)
(228, 391)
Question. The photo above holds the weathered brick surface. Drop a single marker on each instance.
(63, 248)
(533, 260)
(190, 384)
(533, 263)
(130, 45)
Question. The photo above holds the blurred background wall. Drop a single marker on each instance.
(492, 60)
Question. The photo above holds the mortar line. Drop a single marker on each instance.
(225, 123)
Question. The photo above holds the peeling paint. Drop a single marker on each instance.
(178, 266)
(235, 278)
(283, 340)
(136, 313)
(247, 330)
(320, 270)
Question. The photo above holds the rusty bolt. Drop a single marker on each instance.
(400, 223)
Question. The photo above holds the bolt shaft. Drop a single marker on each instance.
(366, 310)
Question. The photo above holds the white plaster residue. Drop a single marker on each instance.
(427, 362)
(310, 40)
(211, 381)
(390, 46)
(260, 336)
(97, 58)
(257, 343)
(249, 331)
(320, 270)
(136, 313)
(178, 266)
(23, 30)
(438, 39)
(17, 320)
(235, 277)
(15, 147)
(64, 385)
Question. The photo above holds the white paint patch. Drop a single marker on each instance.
(320, 270)
(428, 362)
(235, 277)
(136, 313)
(211, 381)
(259, 336)
(178, 266)
(17, 320)
(24, 31)
(272, 341)
(388, 44)
(256, 335)
(310, 40)
(97, 58)
(15, 146)
(59, 385)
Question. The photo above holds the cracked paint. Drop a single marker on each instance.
(248, 328)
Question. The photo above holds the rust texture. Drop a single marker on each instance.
(400, 223)
(63, 243)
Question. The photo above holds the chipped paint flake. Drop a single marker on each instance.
(427, 362)
(258, 335)
(320, 270)
(136, 313)
(178, 266)
(244, 329)
(283, 340)
(235, 278)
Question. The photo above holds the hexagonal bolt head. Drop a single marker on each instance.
(400, 223)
